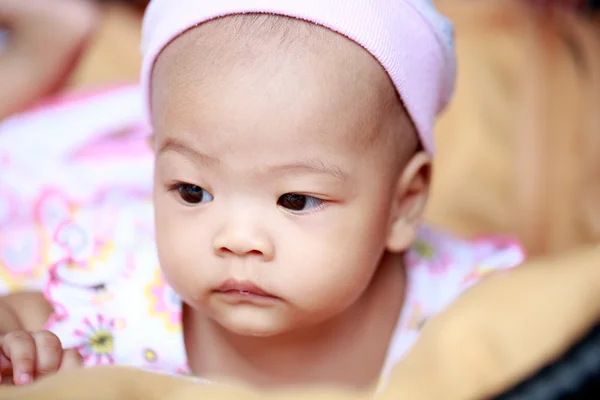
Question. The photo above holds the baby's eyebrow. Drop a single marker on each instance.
(194, 155)
(310, 165)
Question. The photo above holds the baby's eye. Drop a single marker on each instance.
(299, 202)
(193, 194)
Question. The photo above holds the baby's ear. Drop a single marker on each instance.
(408, 204)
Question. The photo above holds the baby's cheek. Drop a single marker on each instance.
(352, 255)
(179, 259)
(183, 280)
(330, 279)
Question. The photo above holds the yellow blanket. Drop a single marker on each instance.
(490, 339)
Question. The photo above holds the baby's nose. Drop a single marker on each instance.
(243, 241)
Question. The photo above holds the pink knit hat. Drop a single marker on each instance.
(412, 41)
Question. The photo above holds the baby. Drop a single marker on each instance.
(293, 146)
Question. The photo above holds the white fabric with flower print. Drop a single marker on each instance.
(113, 304)
(84, 207)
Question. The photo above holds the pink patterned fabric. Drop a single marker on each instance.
(82, 148)
(80, 229)
(117, 308)
(411, 40)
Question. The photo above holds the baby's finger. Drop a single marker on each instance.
(19, 348)
(49, 352)
(71, 359)
(5, 367)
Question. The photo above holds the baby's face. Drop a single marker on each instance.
(277, 168)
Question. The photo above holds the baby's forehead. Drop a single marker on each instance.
(258, 42)
(274, 33)
(325, 75)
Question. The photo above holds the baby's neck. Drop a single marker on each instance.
(348, 351)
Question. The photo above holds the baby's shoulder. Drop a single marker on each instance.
(118, 310)
(96, 245)
(440, 265)
(110, 299)
(439, 268)
(115, 280)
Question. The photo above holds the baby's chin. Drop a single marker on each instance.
(253, 322)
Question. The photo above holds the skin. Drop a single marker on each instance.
(42, 45)
(44, 41)
(282, 115)
(477, 348)
(286, 169)
(27, 352)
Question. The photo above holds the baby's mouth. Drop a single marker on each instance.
(244, 289)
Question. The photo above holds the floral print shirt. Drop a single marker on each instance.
(76, 222)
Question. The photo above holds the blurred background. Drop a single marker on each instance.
(519, 148)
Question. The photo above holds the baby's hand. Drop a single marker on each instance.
(32, 355)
